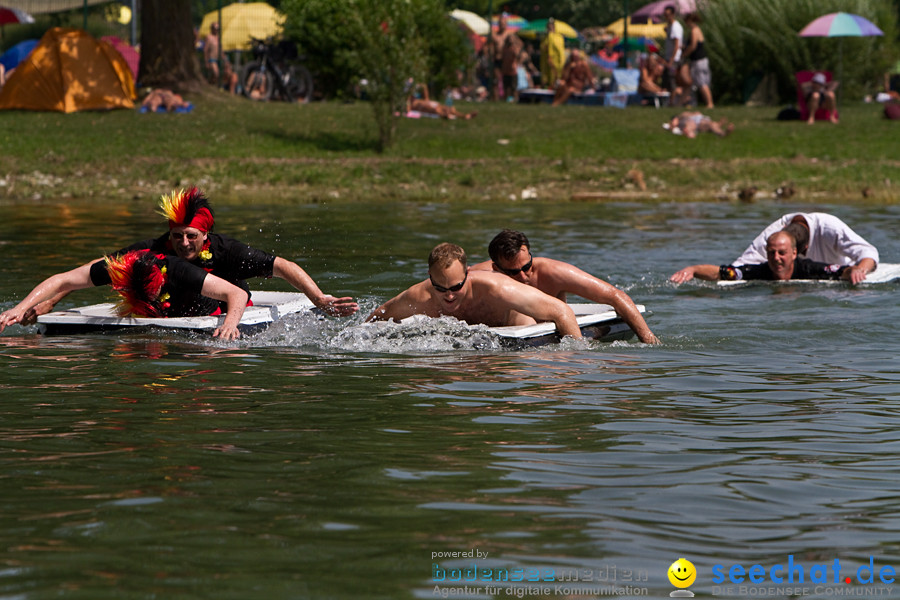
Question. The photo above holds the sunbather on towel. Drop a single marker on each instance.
(167, 99)
(690, 123)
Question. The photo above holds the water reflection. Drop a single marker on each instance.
(325, 458)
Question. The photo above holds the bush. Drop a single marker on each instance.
(749, 38)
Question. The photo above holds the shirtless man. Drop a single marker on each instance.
(781, 264)
(476, 297)
(213, 57)
(510, 254)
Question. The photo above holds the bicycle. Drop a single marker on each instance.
(272, 75)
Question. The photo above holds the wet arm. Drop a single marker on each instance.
(297, 277)
(543, 307)
(56, 285)
(707, 272)
(236, 298)
(397, 308)
(587, 286)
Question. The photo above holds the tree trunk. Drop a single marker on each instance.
(168, 57)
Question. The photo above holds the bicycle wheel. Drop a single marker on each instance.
(257, 82)
(300, 83)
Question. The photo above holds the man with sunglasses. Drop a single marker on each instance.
(476, 297)
(190, 238)
(510, 254)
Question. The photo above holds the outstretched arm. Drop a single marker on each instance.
(219, 289)
(297, 277)
(857, 273)
(574, 280)
(397, 308)
(707, 272)
(54, 286)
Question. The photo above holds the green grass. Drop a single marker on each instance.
(239, 151)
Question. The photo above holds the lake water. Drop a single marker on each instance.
(317, 461)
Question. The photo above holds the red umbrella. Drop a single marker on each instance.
(10, 16)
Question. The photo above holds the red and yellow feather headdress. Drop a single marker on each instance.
(138, 279)
(187, 208)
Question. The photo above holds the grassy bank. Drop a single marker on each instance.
(240, 150)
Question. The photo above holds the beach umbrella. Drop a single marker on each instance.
(476, 23)
(513, 22)
(539, 26)
(11, 16)
(643, 44)
(240, 22)
(840, 25)
(654, 11)
(650, 30)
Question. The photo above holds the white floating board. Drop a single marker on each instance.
(597, 321)
(885, 273)
(267, 308)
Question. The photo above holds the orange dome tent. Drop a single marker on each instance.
(69, 70)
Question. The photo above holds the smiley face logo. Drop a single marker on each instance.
(682, 573)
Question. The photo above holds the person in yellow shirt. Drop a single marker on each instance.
(553, 53)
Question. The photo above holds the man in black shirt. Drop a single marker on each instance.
(190, 238)
(782, 264)
(150, 285)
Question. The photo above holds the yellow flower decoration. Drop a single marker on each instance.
(205, 254)
(164, 297)
(163, 270)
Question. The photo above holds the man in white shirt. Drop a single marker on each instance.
(674, 45)
(828, 240)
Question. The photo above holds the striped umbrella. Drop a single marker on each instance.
(840, 24)
(513, 22)
(10, 16)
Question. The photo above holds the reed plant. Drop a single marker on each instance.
(750, 39)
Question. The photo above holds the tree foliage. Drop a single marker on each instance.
(376, 46)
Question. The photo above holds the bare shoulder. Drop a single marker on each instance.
(482, 266)
(557, 270)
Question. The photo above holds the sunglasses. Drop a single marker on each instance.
(452, 288)
(191, 236)
(514, 272)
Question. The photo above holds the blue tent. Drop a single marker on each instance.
(12, 57)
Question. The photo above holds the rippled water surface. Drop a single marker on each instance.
(317, 460)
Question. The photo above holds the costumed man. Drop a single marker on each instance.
(150, 285)
(782, 264)
(553, 55)
(190, 238)
(821, 237)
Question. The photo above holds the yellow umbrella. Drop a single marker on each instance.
(240, 22)
(650, 30)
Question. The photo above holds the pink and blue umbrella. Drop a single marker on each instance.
(840, 24)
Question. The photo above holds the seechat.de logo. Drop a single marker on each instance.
(682, 575)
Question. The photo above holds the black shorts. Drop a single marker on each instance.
(510, 82)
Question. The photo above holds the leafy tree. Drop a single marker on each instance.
(376, 47)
